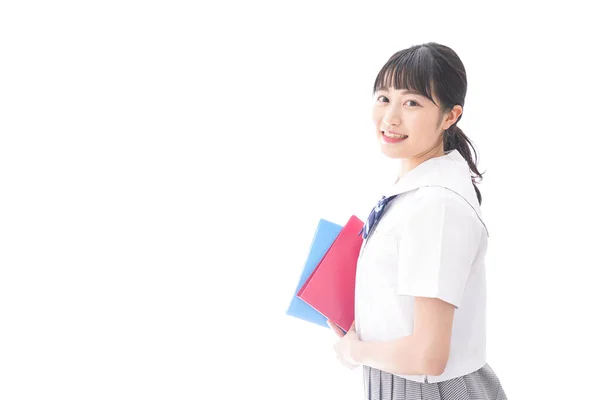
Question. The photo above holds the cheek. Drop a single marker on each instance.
(375, 117)
(377, 114)
(424, 125)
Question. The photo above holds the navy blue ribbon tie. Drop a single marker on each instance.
(375, 216)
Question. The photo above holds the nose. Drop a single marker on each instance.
(391, 121)
(392, 117)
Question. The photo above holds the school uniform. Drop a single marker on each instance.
(426, 237)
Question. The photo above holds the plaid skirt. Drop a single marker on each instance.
(482, 384)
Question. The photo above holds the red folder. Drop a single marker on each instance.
(330, 288)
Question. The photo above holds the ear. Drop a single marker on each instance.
(452, 116)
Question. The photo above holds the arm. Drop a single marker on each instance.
(425, 352)
(439, 242)
(438, 246)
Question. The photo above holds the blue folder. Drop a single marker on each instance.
(324, 236)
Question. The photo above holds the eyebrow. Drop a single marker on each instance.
(404, 91)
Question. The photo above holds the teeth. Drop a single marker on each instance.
(394, 136)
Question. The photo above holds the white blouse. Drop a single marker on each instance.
(430, 242)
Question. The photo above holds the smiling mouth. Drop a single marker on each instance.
(393, 135)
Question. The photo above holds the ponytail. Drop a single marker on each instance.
(455, 139)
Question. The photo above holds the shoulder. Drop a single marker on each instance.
(432, 196)
(445, 204)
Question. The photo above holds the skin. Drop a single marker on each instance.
(426, 351)
(413, 115)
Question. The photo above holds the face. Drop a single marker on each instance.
(409, 125)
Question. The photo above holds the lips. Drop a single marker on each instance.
(394, 135)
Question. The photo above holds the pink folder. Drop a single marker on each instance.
(330, 288)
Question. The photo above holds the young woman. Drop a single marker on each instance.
(420, 311)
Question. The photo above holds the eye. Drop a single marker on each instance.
(407, 102)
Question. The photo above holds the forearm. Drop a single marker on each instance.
(404, 356)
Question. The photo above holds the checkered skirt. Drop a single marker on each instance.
(482, 384)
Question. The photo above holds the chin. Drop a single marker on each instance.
(391, 152)
(394, 154)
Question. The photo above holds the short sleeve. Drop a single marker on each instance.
(437, 247)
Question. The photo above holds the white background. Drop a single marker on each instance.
(163, 166)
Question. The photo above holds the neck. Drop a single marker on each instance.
(408, 164)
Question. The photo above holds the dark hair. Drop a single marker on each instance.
(434, 68)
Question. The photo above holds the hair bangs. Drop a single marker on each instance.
(407, 71)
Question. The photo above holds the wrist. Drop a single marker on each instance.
(357, 351)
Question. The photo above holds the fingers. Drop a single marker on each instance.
(347, 364)
(337, 330)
